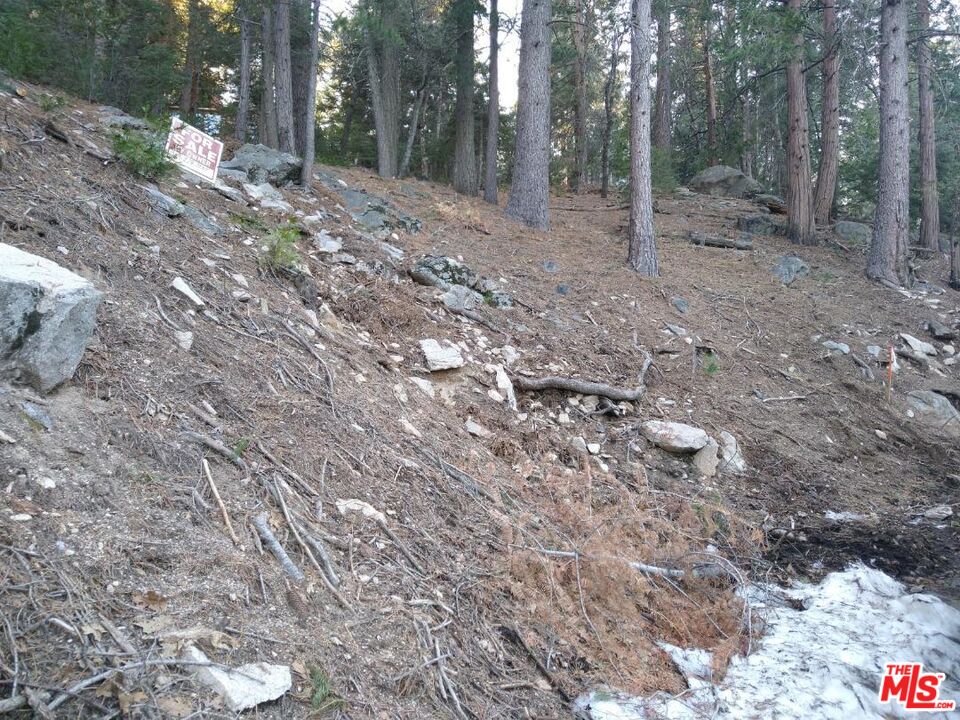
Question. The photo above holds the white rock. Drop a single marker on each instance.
(47, 315)
(505, 386)
(707, 458)
(917, 345)
(244, 687)
(940, 512)
(949, 350)
(509, 354)
(425, 386)
(409, 429)
(181, 286)
(578, 443)
(476, 429)
(4, 438)
(674, 436)
(441, 357)
(593, 448)
(359, 506)
(21, 517)
(733, 460)
(46, 483)
(838, 346)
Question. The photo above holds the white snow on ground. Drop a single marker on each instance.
(824, 661)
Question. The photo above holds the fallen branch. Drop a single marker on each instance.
(270, 540)
(218, 447)
(216, 496)
(584, 387)
(702, 239)
(784, 398)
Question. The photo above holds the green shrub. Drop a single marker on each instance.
(322, 698)
(143, 154)
(280, 249)
(49, 103)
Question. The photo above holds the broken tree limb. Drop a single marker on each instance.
(584, 387)
(217, 447)
(703, 239)
(270, 540)
(216, 496)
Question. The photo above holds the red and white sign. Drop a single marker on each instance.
(913, 688)
(194, 150)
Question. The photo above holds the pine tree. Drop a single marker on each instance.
(800, 226)
(493, 110)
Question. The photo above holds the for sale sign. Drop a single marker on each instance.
(194, 150)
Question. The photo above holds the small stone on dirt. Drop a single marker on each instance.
(940, 331)
(476, 429)
(441, 357)
(680, 304)
(707, 458)
(733, 460)
(181, 286)
(835, 346)
(790, 268)
(919, 346)
(244, 687)
(675, 437)
(938, 513)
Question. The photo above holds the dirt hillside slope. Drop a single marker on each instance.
(465, 559)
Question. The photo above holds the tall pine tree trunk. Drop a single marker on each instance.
(309, 149)
(268, 106)
(530, 189)
(243, 90)
(830, 117)
(191, 67)
(663, 100)
(887, 259)
(580, 109)
(383, 67)
(464, 148)
(642, 250)
(929, 199)
(609, 94)
(710, 86)
(800, 226)
(283, 75)
(493, 111)
(412, 132)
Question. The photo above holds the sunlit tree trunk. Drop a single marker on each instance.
(642, 250)
(530, 189)
(268, 106)
(800, 225)
(309, 149)
(887, 259)
(493, 110)
(830, 118)
(929, 199)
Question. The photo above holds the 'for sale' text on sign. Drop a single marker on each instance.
(194, 150)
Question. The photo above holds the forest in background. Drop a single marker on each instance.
(421, 72)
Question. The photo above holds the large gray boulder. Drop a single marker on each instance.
(936, 411)
(790, 268)
(726, 181)
(854, 232)
(47, 315)
(263, 164)
(760, 224)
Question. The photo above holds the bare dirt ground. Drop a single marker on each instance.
(497, 582)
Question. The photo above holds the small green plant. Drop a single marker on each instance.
(143, 154)
(280, 249)
(49, 103)
(322, 698)
(240, 446)
(247, 222)
(710, 364)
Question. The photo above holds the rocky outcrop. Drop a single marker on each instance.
(263, 164)
(854, 232)
(446, 273)
(790, 268)
(47, 315)
(725, 181)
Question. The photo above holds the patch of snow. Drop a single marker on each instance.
(824, 661)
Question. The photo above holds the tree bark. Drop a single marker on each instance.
(412, 132)
(663, 100)
(493, 111)
(609, 93)
(243, 91)
(800, 226)
(580, 109)
(830, 117)
(887, 259)
(268, 105)
(530, 189)
(713, 156)
(642, 250)
(309, 144)
(464, 148)
(191, 60)
(383, 66)
(929, 198)
(283, 76)
(347, 123)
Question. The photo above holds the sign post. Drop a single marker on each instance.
(194, 150)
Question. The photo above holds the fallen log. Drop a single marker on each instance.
(705, 240)
(584, 387)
